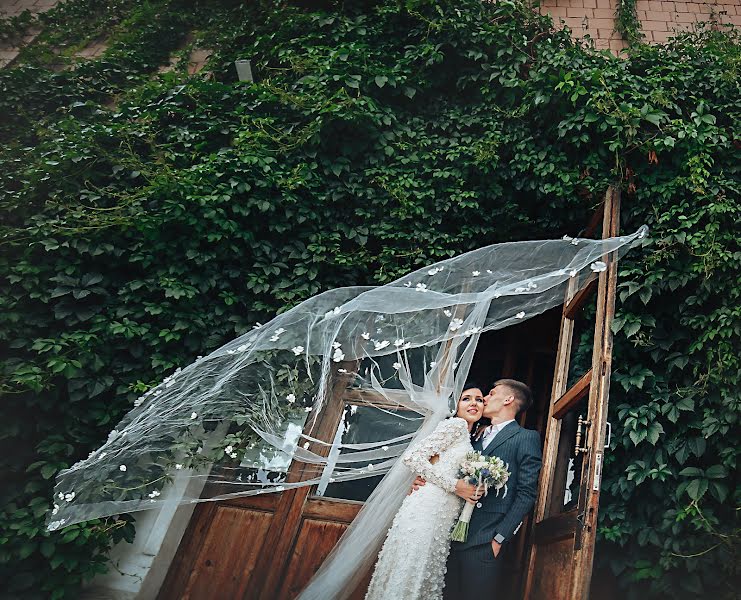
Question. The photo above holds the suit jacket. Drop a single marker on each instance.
(500, 515)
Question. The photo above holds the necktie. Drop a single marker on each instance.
(490, 434)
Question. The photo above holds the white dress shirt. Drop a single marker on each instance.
(491, 432)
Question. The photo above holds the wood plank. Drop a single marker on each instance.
(224, 562)
(555, 528)
(575, 393)
(336, 510)
(268, 502)
(552, 576)
(553, 426)
(371, 398)
(314, 542)
(182, 565)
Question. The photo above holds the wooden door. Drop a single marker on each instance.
(565, 516)
(268, 546)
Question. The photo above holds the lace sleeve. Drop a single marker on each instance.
(417, 458)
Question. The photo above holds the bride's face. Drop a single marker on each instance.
(471, 405)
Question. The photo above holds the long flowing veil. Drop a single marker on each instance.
(238, 416)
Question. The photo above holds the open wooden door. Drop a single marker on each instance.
(565, 515)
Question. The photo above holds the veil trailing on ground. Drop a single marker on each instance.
(241, 415)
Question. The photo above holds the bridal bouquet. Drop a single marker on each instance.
(487, 472)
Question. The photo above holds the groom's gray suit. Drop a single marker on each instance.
(473, 570)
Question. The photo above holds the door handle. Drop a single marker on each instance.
(609, 434)
(581, 423)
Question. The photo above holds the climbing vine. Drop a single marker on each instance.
(627, 23)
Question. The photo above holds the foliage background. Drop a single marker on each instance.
(148, 218)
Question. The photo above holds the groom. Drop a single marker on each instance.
(474, 566)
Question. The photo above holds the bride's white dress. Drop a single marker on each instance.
(411, 564)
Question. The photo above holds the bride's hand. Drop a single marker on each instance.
(470, 493)
(418, 483)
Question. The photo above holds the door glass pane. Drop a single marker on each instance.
(568, 471)
(364, 424)
(582, 341)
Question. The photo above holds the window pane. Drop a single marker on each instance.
(364, 424)
(582, 342)
(568, 471)
(264, 463)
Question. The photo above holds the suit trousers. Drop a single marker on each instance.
(473, 573)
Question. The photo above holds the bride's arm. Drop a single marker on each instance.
(417, 458)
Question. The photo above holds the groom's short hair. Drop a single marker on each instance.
(523, 395)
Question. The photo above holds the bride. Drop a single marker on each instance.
(411, 564)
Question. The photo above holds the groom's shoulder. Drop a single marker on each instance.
(530, 434)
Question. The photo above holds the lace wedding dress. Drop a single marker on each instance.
(411, 564)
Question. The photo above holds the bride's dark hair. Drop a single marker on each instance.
(471, 385)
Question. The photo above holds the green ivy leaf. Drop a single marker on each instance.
(697, 488)
(48, 471)
(716, 472)
(691, 472)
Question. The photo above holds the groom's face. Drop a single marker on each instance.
(497, 398)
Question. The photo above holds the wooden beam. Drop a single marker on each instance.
(575, 393)
(372, 398)
(334, 510)
(572, 306)
(266, 502)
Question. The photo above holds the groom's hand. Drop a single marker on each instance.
(470, 493)
(495, 548)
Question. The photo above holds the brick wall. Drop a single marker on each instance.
(659, 19)
(596, 18)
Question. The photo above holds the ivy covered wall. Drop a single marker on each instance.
(148, 217)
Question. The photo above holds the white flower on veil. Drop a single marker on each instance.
(598, 266)
(456, 324)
